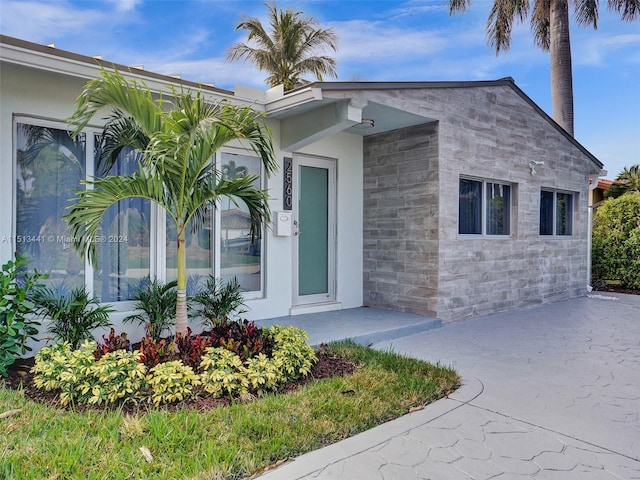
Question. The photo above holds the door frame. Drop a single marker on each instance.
(330, 165)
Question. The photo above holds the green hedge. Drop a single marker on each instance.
(616, 241)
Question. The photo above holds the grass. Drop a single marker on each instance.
(225, 443)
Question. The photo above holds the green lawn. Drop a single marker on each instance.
(225, 443)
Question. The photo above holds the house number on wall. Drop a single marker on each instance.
(287, 200)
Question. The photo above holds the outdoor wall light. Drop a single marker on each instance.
(533, 164)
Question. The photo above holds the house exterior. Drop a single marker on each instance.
(447, 199)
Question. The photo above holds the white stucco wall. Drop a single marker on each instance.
(41, 94)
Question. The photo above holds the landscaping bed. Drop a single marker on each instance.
(350, 389)
(20, 378)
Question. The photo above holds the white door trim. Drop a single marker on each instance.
(330, 165)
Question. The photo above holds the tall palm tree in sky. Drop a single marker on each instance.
(177, 136)
(291, 49)
(550, 27)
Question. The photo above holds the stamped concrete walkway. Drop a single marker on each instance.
(551, 392)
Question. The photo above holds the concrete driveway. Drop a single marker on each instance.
(551, 392)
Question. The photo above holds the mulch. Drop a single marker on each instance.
(327, 366)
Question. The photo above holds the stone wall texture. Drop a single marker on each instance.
(414, 258)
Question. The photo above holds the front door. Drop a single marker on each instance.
(314, 230)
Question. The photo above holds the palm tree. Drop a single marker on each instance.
(288, 51)
(627, 181)
(550, 26)
(177, 138)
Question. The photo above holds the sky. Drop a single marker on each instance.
(413, 40)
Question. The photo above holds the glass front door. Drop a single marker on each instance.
(314, 233)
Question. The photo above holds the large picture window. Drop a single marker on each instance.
(49, 165)
(123, 238)
(241, 257)
(484, 207)
(556, 213)
(132, 240)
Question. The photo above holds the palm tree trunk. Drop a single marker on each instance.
(181, 303)
(561, 75)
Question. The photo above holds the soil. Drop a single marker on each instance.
(629, 291)
(327, 366)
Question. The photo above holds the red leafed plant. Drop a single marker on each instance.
(154, 352)
(243, 338)
(190, 349)
(111, 343)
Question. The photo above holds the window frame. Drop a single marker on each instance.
(158, 237)
(554, 213)
(217, 227)
(484, 182)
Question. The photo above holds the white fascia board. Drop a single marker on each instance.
(292, 100)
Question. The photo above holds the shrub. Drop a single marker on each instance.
(218, 301)
(73, 314)
(241, 337)
(616, 241)
(111, 343)
(222, 372)
(156, 303)
(16, 305)
(171, 382)
(60, 367)
(190, 349)
(118, 377)
(291, 350)
(263, 373)
(155, 352)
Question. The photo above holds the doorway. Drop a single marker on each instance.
(314, 213)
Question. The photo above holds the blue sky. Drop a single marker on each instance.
(379, 41)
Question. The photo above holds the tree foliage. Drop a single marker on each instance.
(177, 135)
(616, 241)
(627, 181)
(289, 50)
(550, 27)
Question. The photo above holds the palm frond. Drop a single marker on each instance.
(90, 205)
(628, 9)
(500, 22)
(540, 24)
(111, 89)
(586, 12)
(121, 132)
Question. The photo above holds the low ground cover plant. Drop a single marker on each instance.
(228, 442)
(174, 369)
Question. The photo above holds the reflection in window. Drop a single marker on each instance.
(556, 213)
(240, 257)
(496, 208)
(470, 207)
(123, 237)
(199, 252)
(498, 211)
(564, 208)
(49, 166)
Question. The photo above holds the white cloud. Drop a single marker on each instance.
(362, 40)
(212, 70)
(125, 5)
(44, 22)
(601, 50)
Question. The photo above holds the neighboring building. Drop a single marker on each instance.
(448, 199)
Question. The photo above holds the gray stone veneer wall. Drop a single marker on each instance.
(415, 260)
(401, 220)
